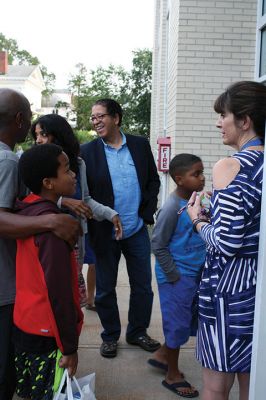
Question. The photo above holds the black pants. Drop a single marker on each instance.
(7, 367)
(137, 252)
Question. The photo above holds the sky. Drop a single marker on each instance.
(63, 33)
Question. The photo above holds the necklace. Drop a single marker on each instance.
(254, 141)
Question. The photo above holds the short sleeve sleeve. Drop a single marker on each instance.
(9, 187)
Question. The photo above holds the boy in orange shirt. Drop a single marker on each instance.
(47, 314)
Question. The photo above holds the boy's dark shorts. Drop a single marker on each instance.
(176, 300)
(35, 374)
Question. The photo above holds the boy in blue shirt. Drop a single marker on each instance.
(180, 255)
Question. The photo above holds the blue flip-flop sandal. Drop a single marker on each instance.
(183, 384)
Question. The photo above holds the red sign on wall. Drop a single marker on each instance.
(164, 153)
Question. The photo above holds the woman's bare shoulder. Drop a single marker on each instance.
(224, 172)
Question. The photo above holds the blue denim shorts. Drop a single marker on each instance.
(177, 302)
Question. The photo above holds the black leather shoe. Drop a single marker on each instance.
(145, 342)
(109, 349)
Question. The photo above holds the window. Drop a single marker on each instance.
(260, 73)
(263, 52)
(264, 7)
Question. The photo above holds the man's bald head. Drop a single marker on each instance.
(12, 103)
(15, 117)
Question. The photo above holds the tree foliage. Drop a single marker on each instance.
(23, 57)
(79, 87)
(49, 79)
(131, 89)
(141, 79)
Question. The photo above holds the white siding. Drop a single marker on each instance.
(210, 45)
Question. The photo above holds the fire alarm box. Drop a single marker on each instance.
(164, 153)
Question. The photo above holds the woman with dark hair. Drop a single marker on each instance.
(228, 284)
(53, 128)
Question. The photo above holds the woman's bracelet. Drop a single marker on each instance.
(196, 221)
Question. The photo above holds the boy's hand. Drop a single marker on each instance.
(80, 208)
(70, 362)
(118, 227)
(66, 227)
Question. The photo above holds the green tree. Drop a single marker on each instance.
(112, 82)
(141, 79)
(131, 89)
(49, 79)
(82, 99)
(23, 57)
(9, 45)
(101, 82)
(109, 82)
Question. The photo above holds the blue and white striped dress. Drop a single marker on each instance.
(227, 289)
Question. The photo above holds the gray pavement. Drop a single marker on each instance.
(128, 376)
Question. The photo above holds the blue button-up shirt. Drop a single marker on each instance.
(127, 194)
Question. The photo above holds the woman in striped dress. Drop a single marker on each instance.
(228, 285)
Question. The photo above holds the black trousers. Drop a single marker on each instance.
(7, 366)
(137, 252)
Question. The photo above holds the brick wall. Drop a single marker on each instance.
(158, 71)
(210, 45)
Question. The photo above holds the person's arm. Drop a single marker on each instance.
(55, 260)
(228, 232)
(97, 211)
(100, 212)
(15, 226)
(70, 363)
(226, 235)
(150, 196)
(88, 207)
(60, 293)
(78, 207)
(161, 236)
(194, 212)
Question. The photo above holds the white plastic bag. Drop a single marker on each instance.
(59, 395)
(87, 386)
(69, 395)
(82, 388)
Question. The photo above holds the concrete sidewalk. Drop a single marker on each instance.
(128, 376)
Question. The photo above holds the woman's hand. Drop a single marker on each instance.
(80, 208)
(194, 206)
(198, 206)
(118, 227)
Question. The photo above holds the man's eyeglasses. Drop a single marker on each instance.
(98, 117)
